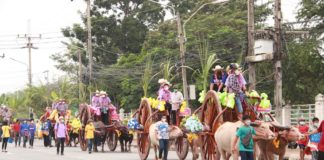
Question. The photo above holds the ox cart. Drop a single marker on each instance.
(106, 132)
(146, 117)
(212, 115)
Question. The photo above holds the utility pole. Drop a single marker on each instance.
(80, 72)
(30, 46)
(89, 48)
(252, 77)
(182, 58)
(277, 58)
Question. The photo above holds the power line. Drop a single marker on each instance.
(30, 46)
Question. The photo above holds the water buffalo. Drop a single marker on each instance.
(174, 133)
(226, 133)
(125, 137)
(278, 146)
(100, 135)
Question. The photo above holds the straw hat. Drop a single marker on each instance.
(103, 93)
(217, 67)
(162, 81)
(167, 83)
(97, 93)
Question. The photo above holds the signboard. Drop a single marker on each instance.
(192, 92)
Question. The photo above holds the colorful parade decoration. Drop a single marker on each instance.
(193, 124)
(156, 104)
(184, 110)
(253, 98)
(265, 105)
(227, 99)
(133, 124)
(202, 96)
(113, 113)
(191, 137)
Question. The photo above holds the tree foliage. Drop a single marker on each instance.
(133, 47)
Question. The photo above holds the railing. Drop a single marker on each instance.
(305, 111)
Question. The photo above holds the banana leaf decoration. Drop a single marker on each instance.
(230, 103)
(265, 103)
(202, 96)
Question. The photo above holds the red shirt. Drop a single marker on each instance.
(320, 129)
(303, 129)
(68, 126)
(48, 114)
(16, 127)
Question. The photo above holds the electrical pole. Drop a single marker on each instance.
(89, 47)
(182, 58)
(252, 77)
(80, 72)
(30, 46)
(277, 58)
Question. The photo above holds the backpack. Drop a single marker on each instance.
(247, 139)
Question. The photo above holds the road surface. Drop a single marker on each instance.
(39, 152)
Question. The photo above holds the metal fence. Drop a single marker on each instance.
(305, 111)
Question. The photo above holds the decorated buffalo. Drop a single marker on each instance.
(125, 137)
(226, 133)
(174, 133)
(278, 146)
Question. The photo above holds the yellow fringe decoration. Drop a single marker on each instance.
(191, 137)
(276, 142)
(118, 133)
(131, 132)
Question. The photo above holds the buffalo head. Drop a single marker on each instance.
(263, 130)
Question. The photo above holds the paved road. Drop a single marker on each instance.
(74, 153)
(71, 153)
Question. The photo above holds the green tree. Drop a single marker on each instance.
(126, 32)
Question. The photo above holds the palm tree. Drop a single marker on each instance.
(207, 60)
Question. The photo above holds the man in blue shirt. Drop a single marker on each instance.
(162, 135)
(24, 132)
(245, 133)
(46, 132)
(32, 130)
(218, 79)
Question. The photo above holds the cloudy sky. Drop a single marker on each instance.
(46, 17)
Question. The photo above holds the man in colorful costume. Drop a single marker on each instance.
(235, 83)
(95, 104)
(165, 96)
(105, 102)
(62, 107)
